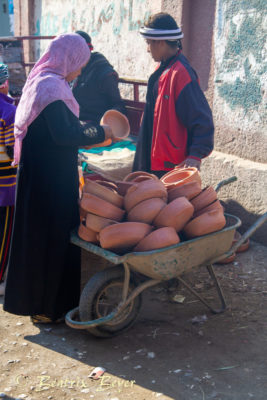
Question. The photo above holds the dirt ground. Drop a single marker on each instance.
(174, 350)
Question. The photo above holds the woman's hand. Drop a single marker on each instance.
(190, 162)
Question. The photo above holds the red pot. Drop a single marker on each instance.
(97, 206)
(109, 185)
(209, 222)
(143, 191)
(146, 211)
(188, 190)
(118, 123)
(97, 223)
(158, 239)
(123, 237)
(205, 198)
(133, 175)
(216, 205)
(103, 192)
(180, 176)
(176, 214)
(87, 234)
(123, 187)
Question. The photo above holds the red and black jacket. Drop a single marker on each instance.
(177, 121)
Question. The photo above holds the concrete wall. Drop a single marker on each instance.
(113, 26)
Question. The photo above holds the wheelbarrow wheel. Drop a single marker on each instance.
(101, 295)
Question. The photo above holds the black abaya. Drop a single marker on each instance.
(44, 268)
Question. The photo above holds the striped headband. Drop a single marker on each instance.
(161, 34)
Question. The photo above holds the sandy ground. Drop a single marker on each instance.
(173, 351)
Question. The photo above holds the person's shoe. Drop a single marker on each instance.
(2, 288)
(43, 319)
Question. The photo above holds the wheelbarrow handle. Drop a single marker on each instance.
(260, 221)
(225, 182)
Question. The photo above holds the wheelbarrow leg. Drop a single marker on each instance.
(218, 288)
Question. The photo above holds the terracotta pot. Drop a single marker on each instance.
(133, 175)
(205, 198)
(103, 208)
(209, 222)
(146, 211)
(180, 176)
(87, 234)
(227, 260)
(109, 185)
(158, 239)
(216, 205)
(118, 123)
(141, 178)
(96, 223)
(124, 236)
(103, 193)
(176, 214)
(83, 214)
(106, 143)
(188, 190)
(244, 246)
(143, 191)
(123, 187)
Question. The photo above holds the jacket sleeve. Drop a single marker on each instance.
(110, 89)
(193, 110)
(66, 129)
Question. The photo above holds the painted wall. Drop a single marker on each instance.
(241, 78)
(113, 26)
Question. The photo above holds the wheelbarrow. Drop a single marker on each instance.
(111, 299)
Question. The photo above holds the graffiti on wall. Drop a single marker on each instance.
(242, 65)
(94, 20)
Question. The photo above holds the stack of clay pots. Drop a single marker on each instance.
(143, 213)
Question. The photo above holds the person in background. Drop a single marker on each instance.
(177, 126)
(96, 89)
(7, 172)
(43, 279)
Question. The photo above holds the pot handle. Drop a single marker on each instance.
(225, 182)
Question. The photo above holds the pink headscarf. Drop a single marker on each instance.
(46, 83)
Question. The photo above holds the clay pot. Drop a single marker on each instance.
(133, 175)
(188, 190)
(205, 198)
(244, 246)
(158, 239)
(118, 123)
(87, 234)
(143, 191)
(106, 143)
(227, 260)
(103, 208)
(146, 211)
(141, 178)
(176, 214)
(109, 185)
(123, 187)
(96, 223)
(83, 214)
(124, 236)
(216, 205)
(103, 192)
(180, 176)
(211, 221)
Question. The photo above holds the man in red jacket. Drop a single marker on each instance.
(177, 126)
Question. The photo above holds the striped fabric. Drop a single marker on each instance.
(6, 222)
(7, 172)
(161, 34)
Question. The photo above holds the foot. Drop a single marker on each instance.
(2, 288)
(43, 319)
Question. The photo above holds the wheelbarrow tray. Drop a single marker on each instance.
(170, 262)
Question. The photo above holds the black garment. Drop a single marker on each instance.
(96, 89)
(191, 108)
(44, 269)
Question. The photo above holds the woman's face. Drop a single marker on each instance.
(72, 75)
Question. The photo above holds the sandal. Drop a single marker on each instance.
(43, 319)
